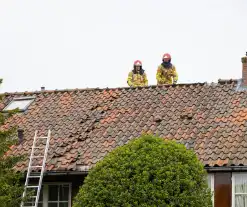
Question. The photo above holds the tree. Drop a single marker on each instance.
(10, 186)
(148, 171)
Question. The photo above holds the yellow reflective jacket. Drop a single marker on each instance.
(135, 80)
(166, 76)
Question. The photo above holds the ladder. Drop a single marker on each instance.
(34, 177)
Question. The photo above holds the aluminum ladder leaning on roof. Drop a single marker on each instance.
(35, 176)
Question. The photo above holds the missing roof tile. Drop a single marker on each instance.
(158, 118)
(186, 116)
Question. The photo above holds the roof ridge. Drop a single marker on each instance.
(220, 81)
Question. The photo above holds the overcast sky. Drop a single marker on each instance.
(93, 43)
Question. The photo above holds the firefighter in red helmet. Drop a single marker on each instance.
(166, 73)
(137, 77)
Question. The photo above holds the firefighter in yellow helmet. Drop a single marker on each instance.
(166, 73)
(137, 77)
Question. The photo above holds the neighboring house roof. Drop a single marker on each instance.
(86, 124)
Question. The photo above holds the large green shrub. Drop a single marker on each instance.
(148, 171)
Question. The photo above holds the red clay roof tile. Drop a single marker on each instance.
(87, 124)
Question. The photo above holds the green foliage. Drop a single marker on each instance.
(148, 171)
(10, 187)
(244, 59)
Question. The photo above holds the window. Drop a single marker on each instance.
(211, 185)
(21, 103)
(55, 195)
(239, 190)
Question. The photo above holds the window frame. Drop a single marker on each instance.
(233, 186)
(45, 192)
(211, 175)
(23, 98)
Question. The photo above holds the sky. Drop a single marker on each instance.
(88, 44)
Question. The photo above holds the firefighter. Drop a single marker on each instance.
(166, 73)
(137, 77)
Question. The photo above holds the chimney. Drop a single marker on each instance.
(42, 88)
(20, 134)
(244, 71)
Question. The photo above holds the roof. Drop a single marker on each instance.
(86, 124)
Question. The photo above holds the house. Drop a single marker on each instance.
(86, 124)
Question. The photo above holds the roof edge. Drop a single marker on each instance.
(226, 168)
(207, 168)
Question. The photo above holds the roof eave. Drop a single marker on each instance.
(226, 168)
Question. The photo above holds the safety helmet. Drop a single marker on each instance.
(166, 57)
(137, 63)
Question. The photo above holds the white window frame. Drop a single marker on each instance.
(24, 98)
(233, 187)
(45, 191)
(211, 175)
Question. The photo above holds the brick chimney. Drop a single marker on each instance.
(244, 71)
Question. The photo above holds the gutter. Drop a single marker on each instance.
(85, 172)
(56, 173)
(80, 170)
(59, 173)
(226, 169)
